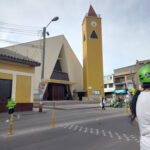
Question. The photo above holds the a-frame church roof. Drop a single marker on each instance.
(56, 48)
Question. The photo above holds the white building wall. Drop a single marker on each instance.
(107, 81)
(53, 48)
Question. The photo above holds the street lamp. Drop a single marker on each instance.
(44, 36)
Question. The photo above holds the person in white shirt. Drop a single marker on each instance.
(103, 103)
(140, 107)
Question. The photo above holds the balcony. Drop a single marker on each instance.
(119, 80)
(120, 83)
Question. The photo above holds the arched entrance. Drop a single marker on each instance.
(56, 91)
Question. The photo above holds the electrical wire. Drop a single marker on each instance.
(19, 26)
(23, 44)
(19, 29)
(24, 31)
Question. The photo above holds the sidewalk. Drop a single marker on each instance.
(68, 105)
(74, 106)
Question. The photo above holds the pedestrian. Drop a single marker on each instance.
(10, 105)
(126, 100)
(121, 101)
(140, 107)
(103, 103)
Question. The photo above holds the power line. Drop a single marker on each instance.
(22, 44)
(33, 53)
(17, 32)
(24, 31)
(20, 26)
(19, 29)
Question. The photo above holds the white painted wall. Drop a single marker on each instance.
(109, 80)
(54, 46)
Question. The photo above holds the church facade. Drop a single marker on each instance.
(62, 70)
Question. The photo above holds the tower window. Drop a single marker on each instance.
(94, 35)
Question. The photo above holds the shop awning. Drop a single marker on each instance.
(59, 81)
(120, 91)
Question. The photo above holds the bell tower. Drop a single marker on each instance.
(92, 53)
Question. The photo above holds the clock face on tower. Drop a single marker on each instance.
(93, 24)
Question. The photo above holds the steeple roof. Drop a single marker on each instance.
(91, 12)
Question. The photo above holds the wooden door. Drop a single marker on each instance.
(58, 92)
(5, 89)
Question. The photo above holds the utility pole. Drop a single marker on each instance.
(43, 56)
(44, 41)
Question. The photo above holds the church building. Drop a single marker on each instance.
(62, 70)
(63, 73)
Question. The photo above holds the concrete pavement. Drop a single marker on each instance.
(36, 121)
(106, 132)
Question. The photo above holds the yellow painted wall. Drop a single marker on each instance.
(6, 76)
(92, 56)
(17, 67)
(23, 89)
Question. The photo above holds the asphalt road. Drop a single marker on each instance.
(88, 129)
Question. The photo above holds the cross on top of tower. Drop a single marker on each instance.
(91, 12)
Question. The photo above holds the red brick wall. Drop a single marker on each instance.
(18, 107)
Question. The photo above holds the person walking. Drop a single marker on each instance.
(103, 103)
(140, 107)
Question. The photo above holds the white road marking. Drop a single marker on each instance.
(97, 131)
(80, 129)
(132, 136)
(137, 141)
(104, 134)
(66, 125)
(91, 131)
(71, 126)
(126, 137)
(86, 129)
(75, 128)
(119, 137)
(110, 134)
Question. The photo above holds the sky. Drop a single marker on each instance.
(125, 26)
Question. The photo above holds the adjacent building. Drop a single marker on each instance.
(109, 86)
(16, 79)
(126, 78)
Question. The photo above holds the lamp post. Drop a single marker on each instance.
(43, 54)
